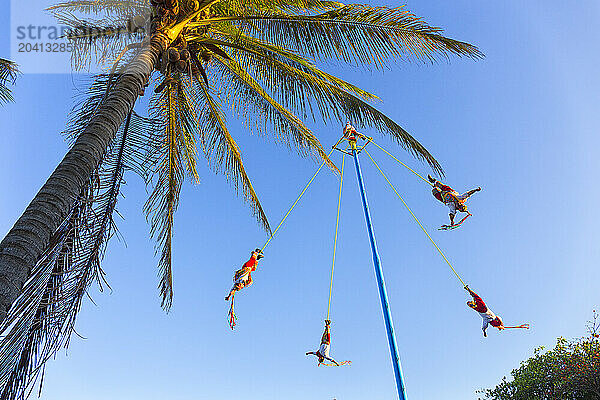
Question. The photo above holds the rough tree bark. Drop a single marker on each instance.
(26, 241)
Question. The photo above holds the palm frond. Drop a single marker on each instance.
(189, 129)
(355, 33)
(8, 76)
(42, 319)
(122, 8)
(164, 199)
(99, 41)
(250, 99)
(273, 58)
(245, 7)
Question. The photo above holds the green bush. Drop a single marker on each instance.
(570, 371)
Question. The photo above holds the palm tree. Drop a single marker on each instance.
(8, 75)
(199, 57)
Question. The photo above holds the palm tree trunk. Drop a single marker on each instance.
(24, 244)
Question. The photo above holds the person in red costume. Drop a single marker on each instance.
(488, 316)
(243, 276)
(451, 198)
(351, 134)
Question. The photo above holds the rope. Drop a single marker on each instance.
(296, 202)
(337, 223)
(406, 166)
(417, 220)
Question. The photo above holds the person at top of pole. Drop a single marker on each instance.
(451, 198)
(488, 316)
(323, 352)
(351, 134)
(243, 276)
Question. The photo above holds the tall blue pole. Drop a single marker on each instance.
(387, 314)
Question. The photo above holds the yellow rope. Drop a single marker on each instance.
(337, 223)
(409, 168)
(296, 202)
(417, 220)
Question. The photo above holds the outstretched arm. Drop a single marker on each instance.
(311, 353)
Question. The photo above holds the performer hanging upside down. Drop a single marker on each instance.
(242, 279)
(489, 318)
(243, 276)
(451, 198)
(323, 352)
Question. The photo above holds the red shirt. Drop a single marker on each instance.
(350, 132)
(251, 264)
(443, 188)
(326, 338)
(480, 305)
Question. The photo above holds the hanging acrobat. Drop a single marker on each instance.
(489, 318)
(323, 352)
(241, 279)
(452, 199)
(243, 276)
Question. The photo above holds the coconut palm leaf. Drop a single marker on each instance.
(43, 317)
(122, 8)
(359, 34)
(8, 76)
(100, 41)
(244, 89)
(164, 199)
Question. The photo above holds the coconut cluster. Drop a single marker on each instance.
(184, 59)
(181, 57)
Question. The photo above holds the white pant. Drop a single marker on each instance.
(324, 350)
(460, 197)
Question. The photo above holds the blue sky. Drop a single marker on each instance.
(522, 123)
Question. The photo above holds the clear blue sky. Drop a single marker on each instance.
(522, 123)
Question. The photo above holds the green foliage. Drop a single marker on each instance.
(570, 371)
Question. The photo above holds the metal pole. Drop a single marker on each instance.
(387, 315)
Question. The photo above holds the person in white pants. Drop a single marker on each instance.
(323, 352)
(450, 197)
